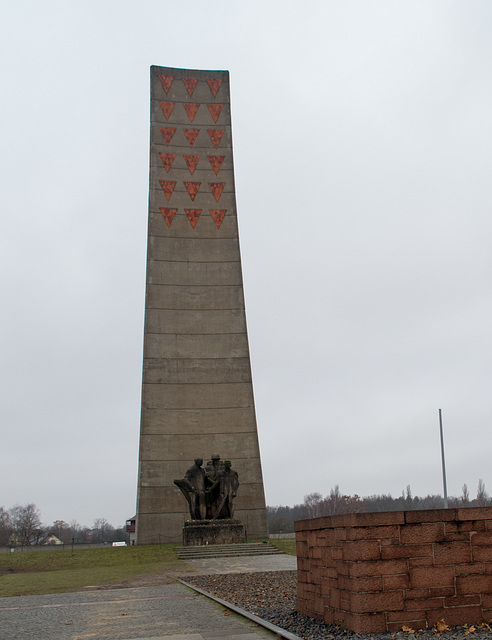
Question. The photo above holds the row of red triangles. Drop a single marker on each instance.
(193, 215)
(191, 135)
(191, 161)
(191, 109)
(192, 187)
(190, 84)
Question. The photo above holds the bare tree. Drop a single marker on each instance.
(313, 507)
(465, 495)
(483, 498)
(102, 530)
(61, 530)
(5, 527)
(26, 523)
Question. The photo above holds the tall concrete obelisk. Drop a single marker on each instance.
(197, 393)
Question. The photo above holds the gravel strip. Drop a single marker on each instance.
(271, 596)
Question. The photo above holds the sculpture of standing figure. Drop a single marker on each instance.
(229, 483)
(210, 492)
(193, 488)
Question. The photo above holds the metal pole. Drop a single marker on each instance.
(443, 463)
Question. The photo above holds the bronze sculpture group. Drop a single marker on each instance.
(210, 492)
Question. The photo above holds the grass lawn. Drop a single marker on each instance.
(287, 545)
(40, 572)
(26, 573)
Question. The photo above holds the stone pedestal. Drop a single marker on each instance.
(200, 532)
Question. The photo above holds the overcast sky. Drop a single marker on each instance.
(363, 158)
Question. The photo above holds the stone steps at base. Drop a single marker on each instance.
(226, 550)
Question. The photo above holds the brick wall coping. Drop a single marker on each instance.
(377, 519)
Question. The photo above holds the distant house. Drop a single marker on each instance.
(130, 529)
(51, 539)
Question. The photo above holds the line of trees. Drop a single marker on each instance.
(281, 519)
(22, 525)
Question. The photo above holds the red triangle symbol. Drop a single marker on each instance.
(215, 110)
(167, 133)
(193, 215)
(216, 188)
(218, 216)
(191, 135)
(214, 85)
(215, 136)
(167, 187)
(192, 188)
(190, 84)
(216, 162)
(191, 108)
(168, 215)
(167, 160)
(167, 108)
(166, 82)
(191, 162)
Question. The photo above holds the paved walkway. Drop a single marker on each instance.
(167, 612)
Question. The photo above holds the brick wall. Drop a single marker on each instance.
(374, 572)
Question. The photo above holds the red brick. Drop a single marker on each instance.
(419, 533)
(462, 601)
(431, 515)
(334, 598)
(468, 569)
(404, 617)
(374, 602)
(344, 600)
(452, 553)
(420, 562)
(374, 623)
(302, 576)
(370, 519)
(461, 526)
(406, 551)
(395, 582)
(386, 542)
(377, 568)
(329, 572)
(315, 552)
(339, 534)
(458, 537)
(416, 593)
(473, 584)
(482, 554)
(327, 585)
(475, 513)
(328, 616)
(431, 576)
(372, 583)
(427, 603)
(454, 616)
(361, 550)
(373, 533)
(487, 601)
(482, 538)
(316, 576)
(420, 623)
(441, 592)
(301, 606)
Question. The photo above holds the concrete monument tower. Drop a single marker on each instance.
(197, 394)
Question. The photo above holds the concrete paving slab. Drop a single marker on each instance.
(168, 612)
(244, 564)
